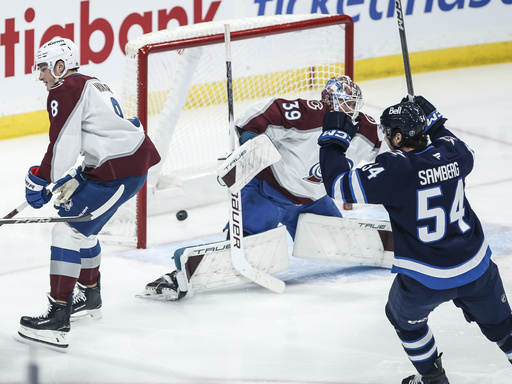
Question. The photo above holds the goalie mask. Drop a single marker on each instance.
(50, 53)
(406, 118)
(342, 94)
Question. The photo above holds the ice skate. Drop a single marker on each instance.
(51, 328)
(437, 376)
(86, 302)
(165, 287)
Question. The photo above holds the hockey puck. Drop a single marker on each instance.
(181, 215)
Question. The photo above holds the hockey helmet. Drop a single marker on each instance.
(51, 52)
(341, 90)
(406, 118)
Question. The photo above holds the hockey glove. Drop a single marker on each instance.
(35, 189)
(434, 118)
(66, 186)
(246, 136)
(338, 128)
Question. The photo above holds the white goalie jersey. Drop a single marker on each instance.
(294, 127)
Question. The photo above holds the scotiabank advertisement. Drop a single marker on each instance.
(101, 28)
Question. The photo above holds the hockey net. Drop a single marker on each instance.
(175, 82)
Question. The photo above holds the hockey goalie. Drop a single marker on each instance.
(276, 170)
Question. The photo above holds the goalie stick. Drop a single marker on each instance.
(238, 259)
(58, 219)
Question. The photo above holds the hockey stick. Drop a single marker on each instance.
(238, 259)
(57, 219)
(24, 205)
(15, 211)
(405, 51)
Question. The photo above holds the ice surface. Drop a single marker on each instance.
(328, 327)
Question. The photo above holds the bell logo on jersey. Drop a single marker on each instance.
(315, 175)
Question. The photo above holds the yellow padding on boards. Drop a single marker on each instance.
(483, 54)
(24, 124)
(436, 60)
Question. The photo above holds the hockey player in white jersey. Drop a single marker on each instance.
(293, 185)
(85, 120)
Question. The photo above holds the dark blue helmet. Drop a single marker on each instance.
(406, 118)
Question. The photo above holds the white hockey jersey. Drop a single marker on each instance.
(86, 119)
(294, 127)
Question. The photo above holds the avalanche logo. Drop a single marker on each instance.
(315, 175)
(67, 205)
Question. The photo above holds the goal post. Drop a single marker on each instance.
(174, 81)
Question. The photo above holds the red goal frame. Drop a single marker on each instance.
(142, 77)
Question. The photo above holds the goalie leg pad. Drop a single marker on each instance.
(364, 242)
(209, 266)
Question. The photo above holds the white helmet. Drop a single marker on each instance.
(56, 49)
(342, 90)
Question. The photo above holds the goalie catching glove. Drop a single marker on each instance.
(338, 128)
(66, 186)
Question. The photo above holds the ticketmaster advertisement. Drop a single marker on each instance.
(101, 29)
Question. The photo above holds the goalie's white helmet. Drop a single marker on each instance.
(342, 91)
(56, 49)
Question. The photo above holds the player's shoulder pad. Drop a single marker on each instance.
(316, 105)
(368, 128)
(448, 138)
(363, 118)
(393, 158)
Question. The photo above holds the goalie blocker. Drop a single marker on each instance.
(208, 266)
(246, 161)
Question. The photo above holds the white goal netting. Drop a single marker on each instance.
(183, 104)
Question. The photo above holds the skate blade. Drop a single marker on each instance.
(157, 296)
(94, 314)
(48, 338)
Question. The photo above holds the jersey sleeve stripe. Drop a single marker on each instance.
(356, 188)
(337, 188)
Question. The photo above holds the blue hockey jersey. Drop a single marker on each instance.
(438, 239)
